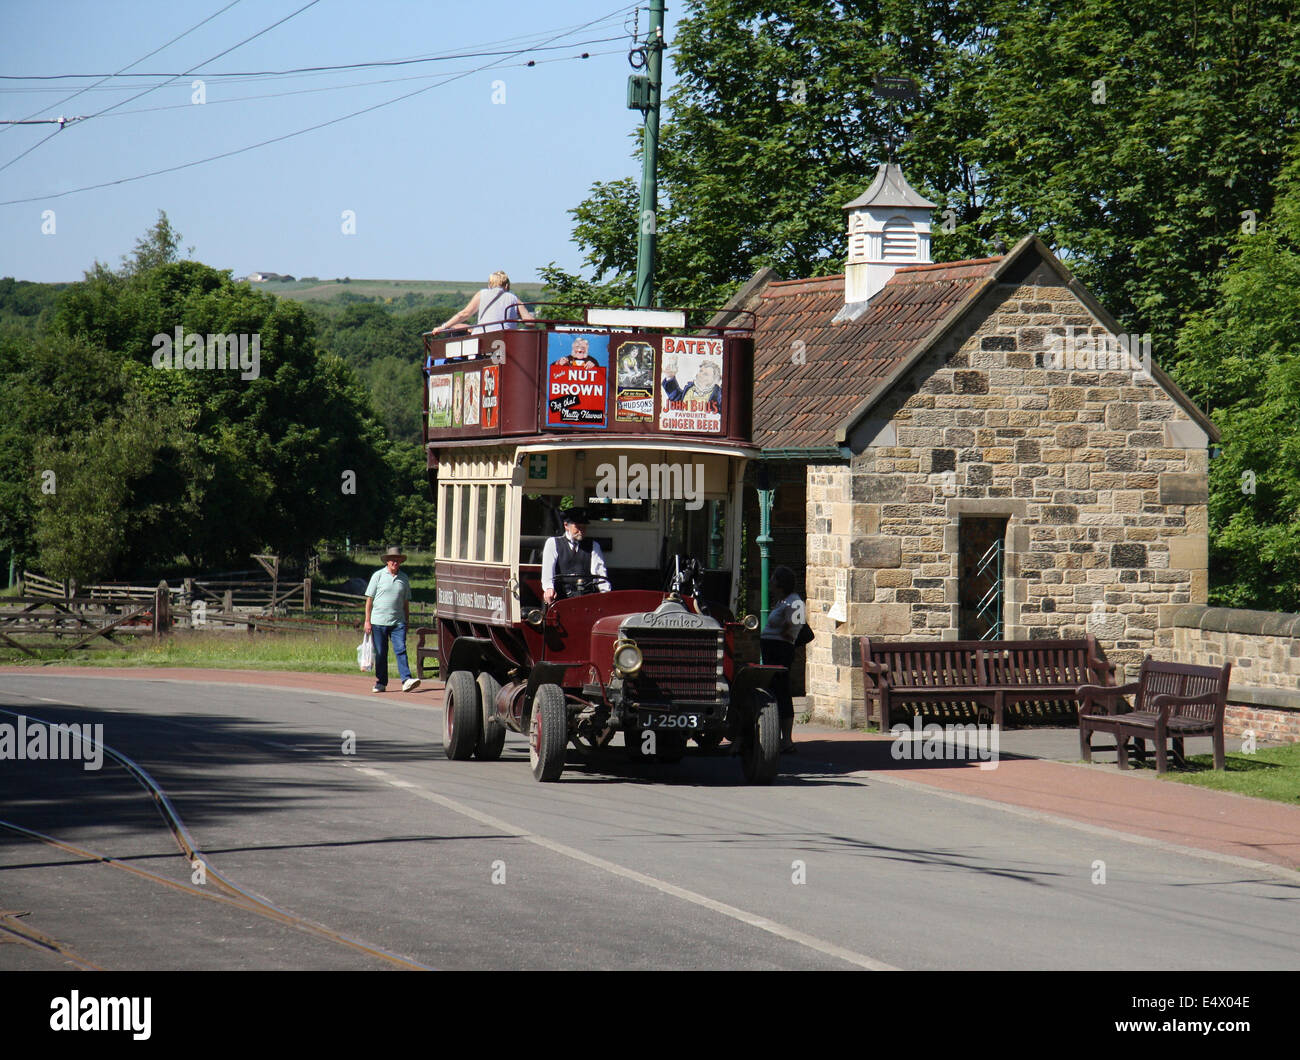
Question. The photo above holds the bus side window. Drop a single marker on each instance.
(499, 524)
(481, 524)
(462, 524)
(448, 520)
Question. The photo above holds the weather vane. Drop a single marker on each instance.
(896, 88)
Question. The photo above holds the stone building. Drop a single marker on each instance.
(969, 449)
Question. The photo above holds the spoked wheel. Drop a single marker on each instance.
(548, 733)
(492, 730)
(760, 753)
(460, 716)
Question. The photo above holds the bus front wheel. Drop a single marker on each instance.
(548, 733)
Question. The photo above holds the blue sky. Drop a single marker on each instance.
(470, 176)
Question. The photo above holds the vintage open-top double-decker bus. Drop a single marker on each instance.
(646, 424)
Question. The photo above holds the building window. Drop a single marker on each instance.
(981, 582)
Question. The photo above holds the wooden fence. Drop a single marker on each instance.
(83, 618)
(214, 603)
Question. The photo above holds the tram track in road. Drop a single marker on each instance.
(623, 866)
(502, 826)
(14, 929)
(234, 895)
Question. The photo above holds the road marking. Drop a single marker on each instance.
(752, 919)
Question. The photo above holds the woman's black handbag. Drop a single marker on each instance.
(804, 636)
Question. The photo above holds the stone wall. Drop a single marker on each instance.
(1264, 649)
(1101, 474)
(829, 670)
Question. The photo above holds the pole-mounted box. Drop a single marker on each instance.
(638, 92)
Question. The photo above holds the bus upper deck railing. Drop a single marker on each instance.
(604, 318)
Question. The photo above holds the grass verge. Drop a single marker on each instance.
(323, 652)
(1269, 773)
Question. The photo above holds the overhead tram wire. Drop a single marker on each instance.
(292, 135)
(466, 54)
(260, 76)
(213, 59)
(122, 103)
(109, 77)
(292, 71)
(352, 84)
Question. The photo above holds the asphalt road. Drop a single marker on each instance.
(464, 865)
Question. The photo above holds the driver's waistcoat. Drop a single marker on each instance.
(567, 561)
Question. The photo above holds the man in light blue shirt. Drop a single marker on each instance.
(388, 611)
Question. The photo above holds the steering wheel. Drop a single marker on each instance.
(583, 583)
(685, 577)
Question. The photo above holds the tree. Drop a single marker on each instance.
(277, 451)
(1241, 362)
(51, 388)
(158, 246)
(394, 384)
(412, 517)
(1130, 137)
(93, 511)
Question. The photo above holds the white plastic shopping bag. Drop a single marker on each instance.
(366, 653)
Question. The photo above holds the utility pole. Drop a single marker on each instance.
(764, 541)
(643, 93)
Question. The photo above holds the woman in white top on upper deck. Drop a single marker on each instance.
(496, 307)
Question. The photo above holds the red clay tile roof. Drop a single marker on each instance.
(799, 406)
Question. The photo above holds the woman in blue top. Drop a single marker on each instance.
(777, 643)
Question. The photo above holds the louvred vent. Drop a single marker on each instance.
(899, 241)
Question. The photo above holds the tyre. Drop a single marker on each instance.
(548, 733)
(670, 747)
(492, 730)
(460, 716)
(760, 754)
(708, 741)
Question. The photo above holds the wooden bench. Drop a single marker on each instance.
(988, 673)
(1169, 700)
(421, 652)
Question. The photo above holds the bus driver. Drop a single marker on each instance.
(571, 554)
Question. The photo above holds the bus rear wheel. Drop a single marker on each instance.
(460, 716)
(492, 730)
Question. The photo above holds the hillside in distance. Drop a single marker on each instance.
(395, 292)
